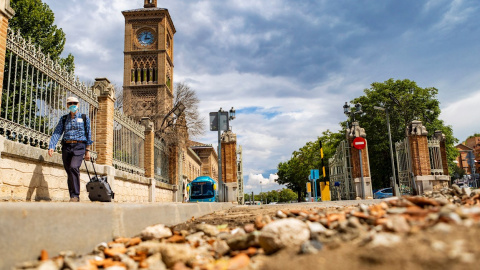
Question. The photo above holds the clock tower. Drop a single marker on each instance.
(148, 62)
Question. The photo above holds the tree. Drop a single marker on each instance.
(414, 102)
(272, 196)
(287, 195)
(294, 172)
(34, 20)
(188, 97)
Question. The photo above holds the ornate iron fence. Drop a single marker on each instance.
(34, 94)
(435, 157)
(128, 144)
(405, 178)
(341, 181)
(160, 160)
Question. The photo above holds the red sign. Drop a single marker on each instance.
(359, 143)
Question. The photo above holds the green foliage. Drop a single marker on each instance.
(473, 136)
(34, 20)
(287, 195)
(414, 103)
(458, 173)
(294, 173)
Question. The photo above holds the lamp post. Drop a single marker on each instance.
(219, 121)
(177, 110)
(395, 186)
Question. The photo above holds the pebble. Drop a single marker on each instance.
(442, 227)
(155, 262)
(209, 230)
(244, 241)
(249, 227)
(311, 247)
(385, 240)
(398, 224)
(221, 247)
(315, 227)
(289, 232)
(156, 232)
(280, 214)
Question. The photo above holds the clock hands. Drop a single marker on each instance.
(145, 38)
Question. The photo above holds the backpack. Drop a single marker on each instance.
(84, 117)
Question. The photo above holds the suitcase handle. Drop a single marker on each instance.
(93, 165)
(87, 170)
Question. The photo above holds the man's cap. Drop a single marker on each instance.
(72, 99)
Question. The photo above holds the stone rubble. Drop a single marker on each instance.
(303, 231)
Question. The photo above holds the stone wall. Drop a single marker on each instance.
(29, 174)
(163, 193)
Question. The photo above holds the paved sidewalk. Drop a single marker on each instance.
(28, 227)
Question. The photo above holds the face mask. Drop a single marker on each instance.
(73, 108)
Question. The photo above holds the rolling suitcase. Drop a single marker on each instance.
(98, 187)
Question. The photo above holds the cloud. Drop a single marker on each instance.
(257, 183)
(462, 117)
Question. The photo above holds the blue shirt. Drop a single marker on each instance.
(74, 130)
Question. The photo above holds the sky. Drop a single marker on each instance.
(288, 66)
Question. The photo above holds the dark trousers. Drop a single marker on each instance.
(72, 155)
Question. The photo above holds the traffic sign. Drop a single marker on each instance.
(314, 174)
(359, 143)
(214, 121)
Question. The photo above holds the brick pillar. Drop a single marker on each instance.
(229, 165)
(420, 158)
(149, 152)
(149, 147)
(417, 138)
(443, 150)
(229, 157)
(357, 131)
(106, 100)
(6, 13)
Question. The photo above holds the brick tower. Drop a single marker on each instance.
(148, 62)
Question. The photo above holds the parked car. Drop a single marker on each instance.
(383, 193)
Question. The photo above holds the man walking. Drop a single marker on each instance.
(76, 142)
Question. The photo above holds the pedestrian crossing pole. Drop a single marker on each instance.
(325, 184)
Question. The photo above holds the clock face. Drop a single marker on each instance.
(145, 38)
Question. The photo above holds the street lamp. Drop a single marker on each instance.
(395, 186)
(219, 121)
(348, 111)
(177, 110)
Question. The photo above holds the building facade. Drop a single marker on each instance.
(474, 144)
(209, 159)
(462, 158)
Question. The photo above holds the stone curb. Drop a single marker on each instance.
(27, 228)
